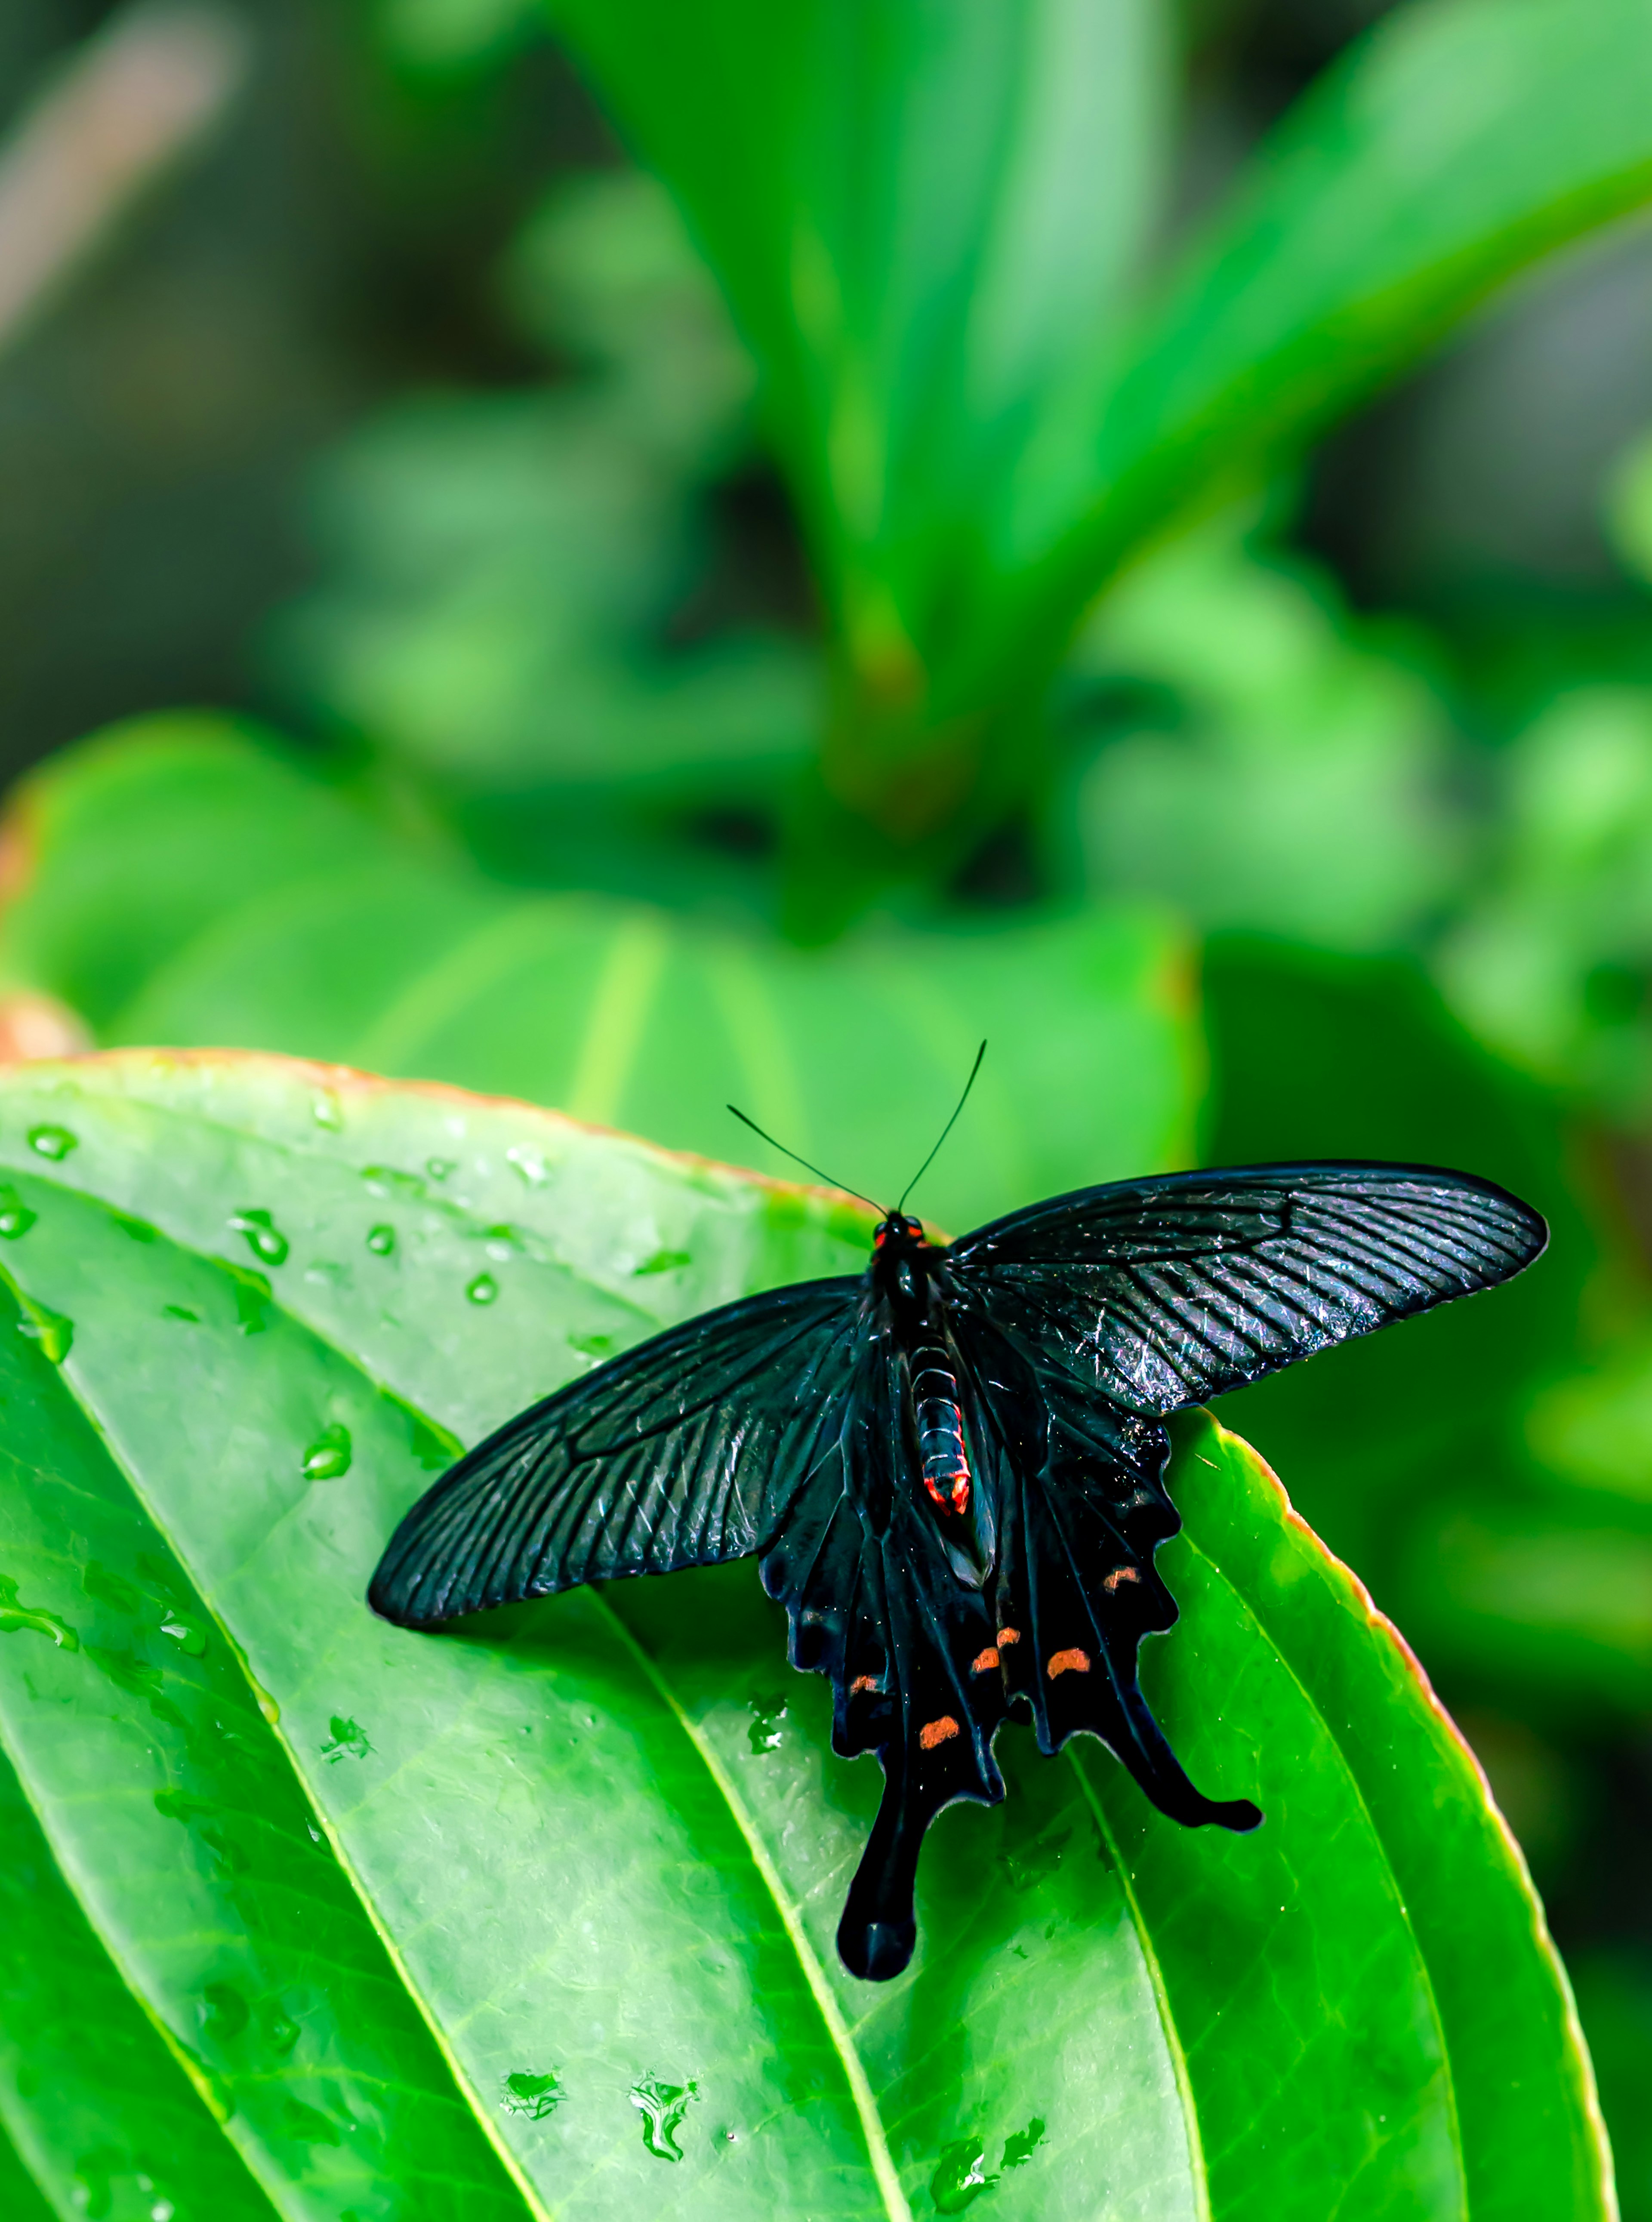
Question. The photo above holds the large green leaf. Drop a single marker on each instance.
(919, 214)
(312, 931)
(507, 1919)
(929, 221)
(1456, 144)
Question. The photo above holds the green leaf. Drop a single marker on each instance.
(90, 2095)
(595, 1848)
(918, 214)
(356, 947)
(1457, 143)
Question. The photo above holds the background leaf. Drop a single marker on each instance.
(603, 1837)
(345, 943)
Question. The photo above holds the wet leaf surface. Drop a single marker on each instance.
(536, 1916)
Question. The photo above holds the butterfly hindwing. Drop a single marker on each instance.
(1082, 1510)
(684, 1451)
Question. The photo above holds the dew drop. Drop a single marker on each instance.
(663, 1261)
(264, 1238)
(484, 1289)
(223, 2012)
(593, 1345)
(330, 1454)
(381, 1241)
(185, 1634)
(282, 2031)
(308, 2124)
(53, 1331)
(15, 1217)
(531, 2096)
(110, 1589)
(162, 2211)
(1021, 2144)
(53, 1142)
(387, 1180)
(662, 2106)
(15, 1617)
(180, 1312)
(532, 1167)
(960, 2176)
(440, 1168)
(347, 1740)
(767, 1714)
(327, 1111)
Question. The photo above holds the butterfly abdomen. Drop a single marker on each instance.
(939, 1418)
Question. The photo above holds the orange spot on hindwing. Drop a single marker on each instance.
(984, 1661)
(862, 1682)
(1006, 1636)
(935, 1732)
(1068, 1662)
(1121, 1574)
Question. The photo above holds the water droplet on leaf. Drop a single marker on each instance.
(529, 1162)
(593, 1345)
(1020, 2146)
(53, 1331)
(309, 2125)
(381, 1241)
(484, 1289)
(385, 1180)
(188, 1638)
(15, 1217)
(223, 2012)
(662, 2106)
(348, 1740)
(533, 2096)
(15, 1617)
(663, 1261)
(327, 1111)
(330, 1454)
(439, 1168)
(961, 2176)
(180, 1312)
(264, 1238)
(53, 1142)
(252, 1295)
(767, 1714)
(110, 1589)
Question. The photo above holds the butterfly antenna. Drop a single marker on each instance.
(944, 1131)
(882, 1209)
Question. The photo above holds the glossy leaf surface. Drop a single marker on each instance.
(574, 1869)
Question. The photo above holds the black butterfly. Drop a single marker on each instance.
(951, 1468)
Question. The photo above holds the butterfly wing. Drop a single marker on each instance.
(686, 1450)
(1158, 1294)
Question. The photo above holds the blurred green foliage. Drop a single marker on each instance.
(878, 603)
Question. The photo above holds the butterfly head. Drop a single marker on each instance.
(899, 1231)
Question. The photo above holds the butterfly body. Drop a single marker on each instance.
(951, 1468)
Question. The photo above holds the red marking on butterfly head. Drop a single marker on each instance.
(898, 1225)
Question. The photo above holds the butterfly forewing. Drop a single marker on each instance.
(1159, 1293)
(684, 1452)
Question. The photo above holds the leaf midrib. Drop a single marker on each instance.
(464, 2088)
(884, 2172)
